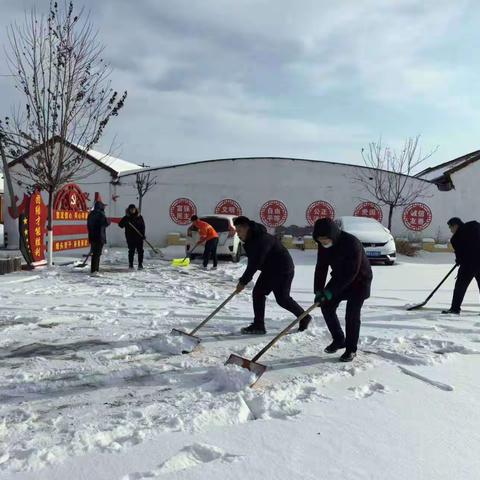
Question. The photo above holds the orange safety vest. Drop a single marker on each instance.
(206, 231)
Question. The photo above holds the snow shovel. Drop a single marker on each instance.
(183, 262)
(420, 305)
(143, 238)
(81, 265)
(257, 368)
(191, 336)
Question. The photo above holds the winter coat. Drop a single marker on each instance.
(265, 253)
(466, 243)
(97, 223)
(135, 220)
(351, 273)
(205, 231)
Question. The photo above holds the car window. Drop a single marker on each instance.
(219, 224)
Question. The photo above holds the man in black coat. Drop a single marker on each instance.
(267, 254)
(351, 278)
(97, 223)
(466, 243)
(134, 226)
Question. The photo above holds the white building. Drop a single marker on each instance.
(280, 192)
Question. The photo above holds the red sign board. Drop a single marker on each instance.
(273, 213)
(417, 216)
(37, 218)
(60, 245)
(71, 199)
(370, 210)
(181, 211)
(228, 207)
(319, 209)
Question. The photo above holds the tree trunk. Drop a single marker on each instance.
(391, 208)
(50, 230)
(140, 199)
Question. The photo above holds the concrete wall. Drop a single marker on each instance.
(252, 182)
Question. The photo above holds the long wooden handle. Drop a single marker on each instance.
(195, 330)
(284, 332)
(441, 283)
(143, 237)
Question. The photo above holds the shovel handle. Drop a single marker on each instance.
(142, 237)
(284, 332)
(195, 330)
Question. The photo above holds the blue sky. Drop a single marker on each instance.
(308, 79)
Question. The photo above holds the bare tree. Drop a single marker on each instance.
(144, 182)
(388, 176)
(67, 98)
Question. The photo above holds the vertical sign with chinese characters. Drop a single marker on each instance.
(37, 218)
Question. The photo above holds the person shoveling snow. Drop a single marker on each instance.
(267, 254)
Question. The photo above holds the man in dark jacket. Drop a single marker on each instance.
(267, 254)
(134, 226)
(351, 278)
(466, 243)
(97, 223)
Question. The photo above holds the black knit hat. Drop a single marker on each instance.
(455, 221)
(326, 227)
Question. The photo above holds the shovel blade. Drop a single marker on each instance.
(181, 262)
(257, 368)
(416, 307)
(191, 343)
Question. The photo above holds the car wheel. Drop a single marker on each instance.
(390, 262)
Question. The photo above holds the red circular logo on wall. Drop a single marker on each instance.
(370, 210)
(228, 207)
(273, 213)
(319, 209)
(417, 216)
(181, 211)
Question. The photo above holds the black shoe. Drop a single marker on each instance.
(334, 346)
(451, 312)
(130, 266)
(304, 322)
(140, 267)
(253, 330)
(348, 356)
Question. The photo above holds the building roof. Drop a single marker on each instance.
(114, 165)
(444, 170)
(234, 159)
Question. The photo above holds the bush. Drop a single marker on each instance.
(404, 247)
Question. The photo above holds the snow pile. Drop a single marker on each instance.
(170, 344)
(228, 378)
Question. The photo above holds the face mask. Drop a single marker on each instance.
(327, 245)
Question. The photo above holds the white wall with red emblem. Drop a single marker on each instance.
(275, 192)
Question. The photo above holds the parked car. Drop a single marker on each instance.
(377, 240)
(229, 244)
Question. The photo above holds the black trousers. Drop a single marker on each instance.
(464, 279)
(96, 249)
(210, 251)
(280, 286)
(352, 321)
(133, 247)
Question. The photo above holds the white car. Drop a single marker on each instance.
(377, 240)
(229, 244)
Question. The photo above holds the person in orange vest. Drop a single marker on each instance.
(209, 237)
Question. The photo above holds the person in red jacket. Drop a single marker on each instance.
(209, 237)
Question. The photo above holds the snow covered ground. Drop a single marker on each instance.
(91, 387)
